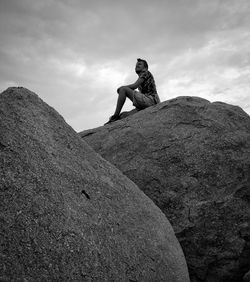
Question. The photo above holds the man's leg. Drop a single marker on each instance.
(123, 93)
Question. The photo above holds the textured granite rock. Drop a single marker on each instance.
(247, 277)
(66, 214)
(192, 158)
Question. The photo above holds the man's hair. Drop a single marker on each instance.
(144, 62)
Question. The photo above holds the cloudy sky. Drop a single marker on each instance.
(75, 53)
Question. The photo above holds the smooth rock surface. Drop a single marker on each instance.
(192, 158)
(67, 214)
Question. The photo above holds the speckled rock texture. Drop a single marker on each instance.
(192, 158)
(247, 277)
(66, 214)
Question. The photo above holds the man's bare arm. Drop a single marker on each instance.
(133, 86)
(136, 84)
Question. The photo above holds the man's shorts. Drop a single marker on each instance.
(142, 101)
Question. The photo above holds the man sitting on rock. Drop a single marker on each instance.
(146, 95)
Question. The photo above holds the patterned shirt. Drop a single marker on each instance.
(148, 86)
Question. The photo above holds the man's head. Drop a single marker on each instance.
(141, 65)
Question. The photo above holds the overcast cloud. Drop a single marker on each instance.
(75, 53)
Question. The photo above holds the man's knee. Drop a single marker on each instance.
(123, 89)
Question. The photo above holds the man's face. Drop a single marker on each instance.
(139, 67)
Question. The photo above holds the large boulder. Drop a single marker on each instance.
(67, 214)
(192, 158)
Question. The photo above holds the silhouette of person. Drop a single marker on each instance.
(144, 97)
